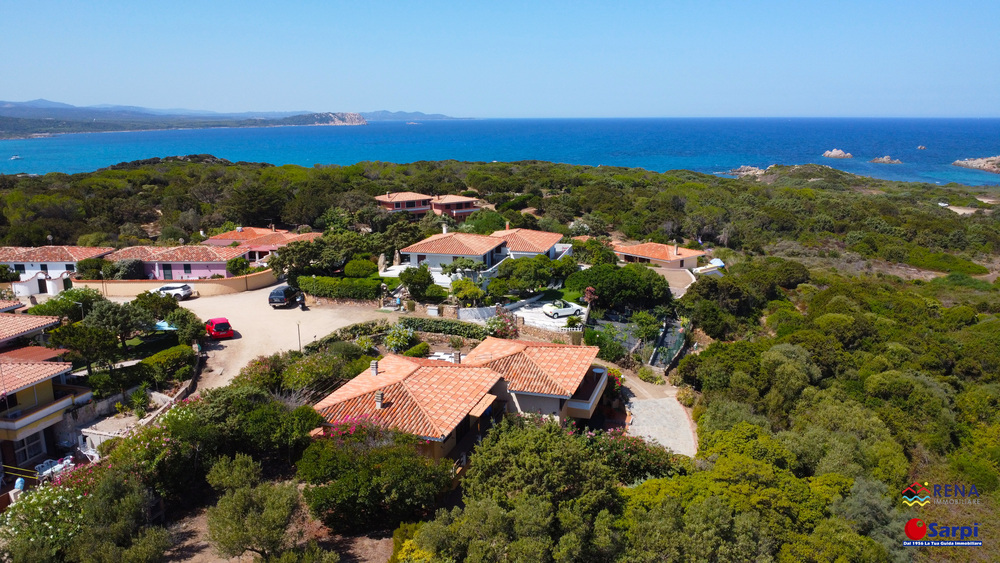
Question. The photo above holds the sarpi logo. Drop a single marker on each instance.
(916, 494)
(917, 529)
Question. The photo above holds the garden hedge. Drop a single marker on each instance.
(341, 288)
(445, 326)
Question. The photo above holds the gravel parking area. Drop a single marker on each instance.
(657, 415)
(261, 330)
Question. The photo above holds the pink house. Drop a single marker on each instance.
(181, 262)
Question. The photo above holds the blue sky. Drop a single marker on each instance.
(512, 59)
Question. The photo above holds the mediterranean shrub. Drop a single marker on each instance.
(167, 363)
(398, 338)
(360, 268)
(341, 288)
(445, 326)
(421, 350)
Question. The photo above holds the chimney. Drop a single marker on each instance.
(456, 358)
(444, 228)
(675, 249)
(272, 227)
(507, 226)
(378, 399)
(374, 366)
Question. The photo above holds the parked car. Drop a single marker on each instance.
(560, 308)
(283, 296)
(176, 290)
(219, 328)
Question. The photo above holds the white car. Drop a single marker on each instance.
(561, 308)
(177, 290)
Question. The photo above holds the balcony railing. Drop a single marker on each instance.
(16, 419)
(590, 390)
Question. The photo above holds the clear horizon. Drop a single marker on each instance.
(521, 60)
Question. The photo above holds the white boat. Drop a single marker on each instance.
(16, 157)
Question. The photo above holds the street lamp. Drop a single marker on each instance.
(298, 330)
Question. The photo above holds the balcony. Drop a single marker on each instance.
(17, 419)
(584, 401)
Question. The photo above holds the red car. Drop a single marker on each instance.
(219, 328)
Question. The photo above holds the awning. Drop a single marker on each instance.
(483, 404)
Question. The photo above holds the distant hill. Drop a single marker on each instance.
(384, 115)
(44, 117)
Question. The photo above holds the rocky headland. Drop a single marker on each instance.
(746, 171)
(988, 164)
(886, 160)
(837, 153)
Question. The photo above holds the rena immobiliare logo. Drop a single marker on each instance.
(933, 534)
(919, 495)
(916, 494)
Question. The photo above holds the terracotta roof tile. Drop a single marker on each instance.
(197, 253)
(424, 397)
(12, 326)
(273, 241)
(244, 233)
(10, 253)
(455, 244)
(7, 306)
(16, 375)
(401, 196)
(134, 252)
(657, 251)
(535, 367)
(52, 253)
(31, 354)
(527, 240)
(443, 199)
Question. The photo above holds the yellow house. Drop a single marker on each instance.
(33, 398)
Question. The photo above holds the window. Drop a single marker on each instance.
(168, 271)
(19, 268)
(187, 268)
(30, 447)
(45, 268)
(421, 258)
(396, 205)
(411, 204)
(70, 267)
(9, 401)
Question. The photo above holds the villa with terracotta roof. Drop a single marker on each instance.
(45, 269)
(189, 262)
(33, 392)
(455, 206)
(662, 254)
(527, 242)
(444, 402)
(239, 235)
(445, 248)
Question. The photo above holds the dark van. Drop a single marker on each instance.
(283, 296)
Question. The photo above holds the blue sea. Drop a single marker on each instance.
(703, 145)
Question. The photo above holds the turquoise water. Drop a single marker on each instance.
(703, 145)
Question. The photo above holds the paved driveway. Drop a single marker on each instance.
(657, 415)
(262, 330)
(534, 316)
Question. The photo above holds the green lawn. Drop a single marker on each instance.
(143, 347)
(564, 294)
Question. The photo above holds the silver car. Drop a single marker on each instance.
(178, 291)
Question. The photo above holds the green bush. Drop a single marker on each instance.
(360, 268)
(445, 326)
(435, 294)
(398, 338)
(167, 363)
(341, 288)
(421, 350)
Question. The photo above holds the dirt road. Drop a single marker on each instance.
(262, 330)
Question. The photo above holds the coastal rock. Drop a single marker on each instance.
(325, 119)
(921, 148)
(988, 164)
(885, 160)
(746, 171)
(837, 153)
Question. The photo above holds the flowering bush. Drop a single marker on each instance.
(503, 325)
(615, 383)
(42, 522)
(398, 338)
